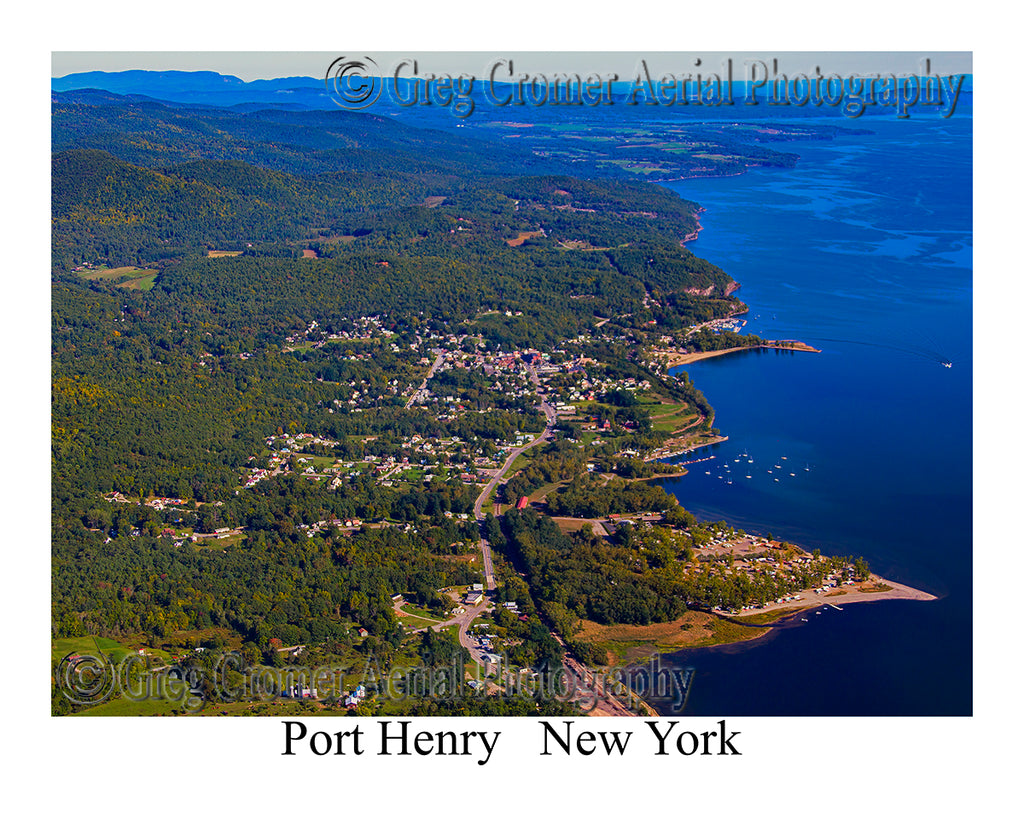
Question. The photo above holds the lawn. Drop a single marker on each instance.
(417, 611)
(413, 623)
(320, 462)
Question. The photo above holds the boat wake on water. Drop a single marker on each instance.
(928, 353)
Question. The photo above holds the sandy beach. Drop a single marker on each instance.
(872, 590)
(673, 358)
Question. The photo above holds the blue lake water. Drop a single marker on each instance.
(864, 250)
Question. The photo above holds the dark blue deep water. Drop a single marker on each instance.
(863, 250)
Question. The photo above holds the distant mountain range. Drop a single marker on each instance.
(203, 88)
(208, 88)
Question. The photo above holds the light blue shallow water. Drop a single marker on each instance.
(863, 250)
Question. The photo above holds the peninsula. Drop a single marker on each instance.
(676, 358)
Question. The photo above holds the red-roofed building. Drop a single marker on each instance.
(523, 502)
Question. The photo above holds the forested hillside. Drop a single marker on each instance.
(246, 436)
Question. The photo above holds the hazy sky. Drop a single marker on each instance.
(269, 64)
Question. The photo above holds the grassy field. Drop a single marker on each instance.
(417, 611)
(695, 629)
(573, 524)
(321, 462)
(542, 492)
(129, 708)
(219, 254)
(523, 236)
(104, 273)
(133, 278)
(521, 462)
(88, 645)
(670, 422)
(220, 542)
(669, 416)
(415, 617)
(417, 622)
(768, 617)
(140, 283)
(175, 707)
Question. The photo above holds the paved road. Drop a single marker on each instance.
(463, 621)
(430, 374)
(546, 435)
(608, 704)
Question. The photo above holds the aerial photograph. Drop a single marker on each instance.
(532, 384)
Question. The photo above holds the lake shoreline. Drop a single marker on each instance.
(677, 358)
